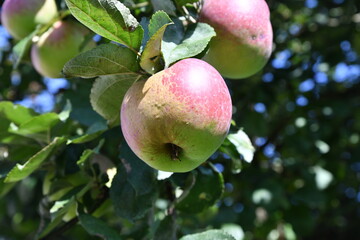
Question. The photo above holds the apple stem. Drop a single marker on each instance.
(174, 152)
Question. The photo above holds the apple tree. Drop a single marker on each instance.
(179, 119)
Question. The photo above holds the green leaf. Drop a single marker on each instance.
(177, 46)
(165, 5)
(106, 59)
(243, 145)
(133, 189)
(15, 113)
(151, 59)
(37, 127)
(110, 19)
(108, 92)
(97, 227)
(166, 229)
(209, 235)
(88, 153)
(22, 48)
(184, 2)
(208, 188)
(20, 172)
(82, 111)
(92, 132)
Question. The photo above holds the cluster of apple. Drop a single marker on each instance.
(177, 119)
(57, 45)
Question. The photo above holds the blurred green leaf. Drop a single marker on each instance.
(92, 133)
(22, 48)
(209, 235)
(37, 127)
(20, 172)
(97, 227)
(164, 5)
(166, 229)
(133, 190)
(15, 113)
(184, 2)
(208, 188)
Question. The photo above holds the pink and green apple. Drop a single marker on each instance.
(63, 41)
(176, 120)
(20, 17)
(244, 38)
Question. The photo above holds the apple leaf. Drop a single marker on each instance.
(151, 59)
(37, 128)
(184, 2)
(208, 188)
(243, 145)
(177, 46)
(15, 113)
(209, 235)
(22, 48)
(106, 59)
(92, 132)
(20, 172)
(133, 189)
(110, 19)
(97, 227)
(108, 92)
(165, 5)
(166, 229)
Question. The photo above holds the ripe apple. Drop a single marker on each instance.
(20, 17)
(63, 41)
(176, 120)
(244, 38)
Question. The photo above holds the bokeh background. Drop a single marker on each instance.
(302, 113)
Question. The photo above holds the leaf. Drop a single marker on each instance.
(243, 145)
(37, 127)
(106, 59)
(82, 111)
(92, 132)
(20, 172)
(165, 5)
(110, 19)
(133, 189)
(88, 153)
(176, 46)
(108, 92)
(15, 113)
(22, 48)
(184, 2)
(208, 188)
(209, 235)
(166, 229)
(97, 227)
(151, 59)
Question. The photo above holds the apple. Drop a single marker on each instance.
(20, 17)
(244, 38)
(176, 119)
(63, 41)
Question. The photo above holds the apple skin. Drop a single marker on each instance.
(20, 17)
(57, 46)
(176, 120)
(244, 38)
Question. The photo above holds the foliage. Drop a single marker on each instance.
(68, 173)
